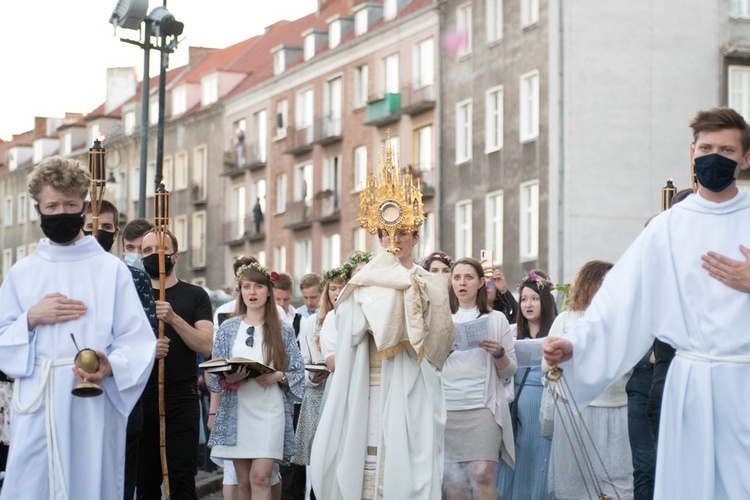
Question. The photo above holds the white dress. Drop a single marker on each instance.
(260, 410)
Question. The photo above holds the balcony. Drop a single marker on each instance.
(328, 130)
(416, 98)
(238, 231)
(198, 194)
(298, 215)
(246, 158)
(299, 140)
(384, 110)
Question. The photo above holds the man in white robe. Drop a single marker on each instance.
(63, 446)
(658, 289)
(396, 419)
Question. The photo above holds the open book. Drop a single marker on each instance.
(317, 362)
(218, 365)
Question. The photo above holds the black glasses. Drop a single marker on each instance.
(250, 340)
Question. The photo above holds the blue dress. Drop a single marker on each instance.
(529, 480)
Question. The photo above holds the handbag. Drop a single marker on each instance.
(547, 412)
(514, 405)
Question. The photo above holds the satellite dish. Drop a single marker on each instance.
(129, 14)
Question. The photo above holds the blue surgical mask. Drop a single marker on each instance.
(715, 172)
(133, 260)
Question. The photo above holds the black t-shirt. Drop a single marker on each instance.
(192, 304)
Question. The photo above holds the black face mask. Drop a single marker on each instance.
(715, 172)
(105, 238)
(61, 228)
(151, 265)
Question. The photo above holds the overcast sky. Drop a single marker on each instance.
(55, 53)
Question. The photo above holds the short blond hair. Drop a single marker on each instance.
(65, 175)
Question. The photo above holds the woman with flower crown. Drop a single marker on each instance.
(536, 313)
(438, 263)
(253, 411)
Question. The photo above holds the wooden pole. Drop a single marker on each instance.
(161, 226)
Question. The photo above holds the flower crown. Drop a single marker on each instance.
(336, 272)
(437, 255)
(356, 258)
(272, 276)
(540, 281)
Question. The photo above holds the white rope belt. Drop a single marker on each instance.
(697, 356)
(46, 391)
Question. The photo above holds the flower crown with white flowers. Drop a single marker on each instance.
(255, 266)
(337, 272)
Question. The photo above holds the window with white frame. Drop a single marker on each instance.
(302, 258)
(493, 225)
(20, 252)
(259, 194)
(529, 106)
(359, 238)
(739, 90)
(179, 100)
(426, 243)
(279, 258)
(529, 222)
(309, 46)
(67, 143)
(303, 183)
(424, 157)
(237, 219)
(168, 173)
(390, 9)
(135, 185)
(8, 212)
(395, 148)
(209, 89)
(33, 215)
(332, 183)
(261, 254)
(198, 240)
(23, 206)
(331, 251)
(282, 114)
(260, 133)
(529, 12)
(463, 131)
(200, 173)
(334, 34)
(464, 230)
(280, 193)
(361, 22)
(181, 170)
(493, 127)
(129, 122)
(360, 86)
(424, 63)
(180, 229)
(464, 28)
(7, 261)
(279, 64)
(304, 112)
(150, 179)
(360, 167)
(391, 74)
(94, 132)
(739, 8)
(494, 20)
(333, 106)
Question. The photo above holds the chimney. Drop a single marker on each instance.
(40, 126)
(122, 84)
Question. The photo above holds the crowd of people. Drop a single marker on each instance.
(392, 379)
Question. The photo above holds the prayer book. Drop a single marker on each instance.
(317, 362)
(219, 365)
(469, 333)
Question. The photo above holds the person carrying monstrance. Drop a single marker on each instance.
(382, 428)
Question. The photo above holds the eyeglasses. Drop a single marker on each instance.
(250, 340)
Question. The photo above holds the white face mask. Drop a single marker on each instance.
(133, 260)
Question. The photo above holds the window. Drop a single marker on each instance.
(360, 167)
(493, 127)
(150, 179)
(20, 252)
(180, 229)
(395, 143)
(390, 74)
(168, 173)
(423, 154)
(739, 90)
(331, 251)
(332, 183)
(740, 8)
(360, 86)
(237, 219)
(333, 106)
(260, 127)
(304, 112)
(359, 237)
(529, 12)
(278, 62)
(209, 89)
(7, 261)
(200, 173)
(23, 206)
(179, 100)
(259, 193)
(493, 225)
(153, 112)
(390, 9)
(181, 170)
(426, 243)
(494, 20)
(334, 34)
(361, 21)
(135, 184)
(424, 63)
(33, 215)
(302, 258)
(529, 106)
(8, 212)
(279, 259)
(464, 29)
(463, 229)
(262, 258)
(198, 241)
(463, 131)
(282, 111)
(529, 223)
(309, 46)
(281, 193)
(129, 122)
(303, 183)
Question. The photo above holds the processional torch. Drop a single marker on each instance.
(98, 182)
(667, 194)
(161, 226)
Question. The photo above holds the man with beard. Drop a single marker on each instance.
(64, 446)
(188, 324)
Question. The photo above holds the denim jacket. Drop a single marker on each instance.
(224, 431)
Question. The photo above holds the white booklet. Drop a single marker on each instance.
(469, 334)
(529, 352)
